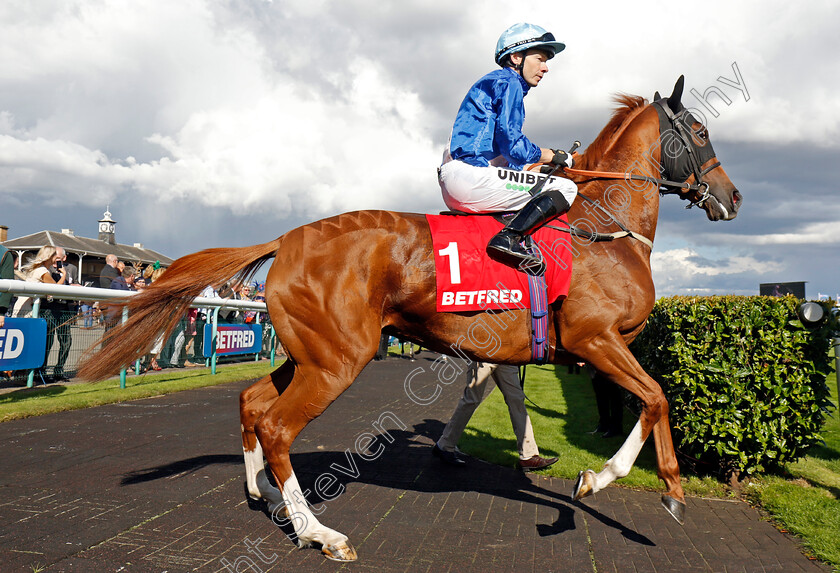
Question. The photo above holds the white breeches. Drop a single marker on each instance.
(491, 189)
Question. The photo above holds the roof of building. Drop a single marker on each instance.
(85, 246)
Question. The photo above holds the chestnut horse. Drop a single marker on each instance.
(336, 283)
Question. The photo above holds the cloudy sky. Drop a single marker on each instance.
(205, 123)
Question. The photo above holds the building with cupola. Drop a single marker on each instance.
(87, 254)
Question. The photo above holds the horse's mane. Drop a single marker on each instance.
(628, 107)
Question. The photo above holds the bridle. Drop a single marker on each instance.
(694, 156)
(677, 167)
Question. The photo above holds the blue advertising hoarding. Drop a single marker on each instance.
(22, 343)
(233, 339)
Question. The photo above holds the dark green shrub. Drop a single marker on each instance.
(744, 378)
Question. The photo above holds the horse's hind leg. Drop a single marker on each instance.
(254, 401)
(309, 394)
(610, 356)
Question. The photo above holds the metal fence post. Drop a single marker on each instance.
(30, 378)
(122, 370)
(257, 355)
(37, 291)
(273, 344)
(213, 339)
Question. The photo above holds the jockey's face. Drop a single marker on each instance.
(534, 65)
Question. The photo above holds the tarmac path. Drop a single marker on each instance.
(157, 485)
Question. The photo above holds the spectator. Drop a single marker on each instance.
(610, 402)
(113, 313)
(73, 278)
(179, 336)
(205, 315)
(233, 292)
(59, 313)
(96, 312)
(190, 334)
(40, 270)
(157, 348)
(7, 271)
(19, 274)
(259, 296)
(125, 281)
(109, 272)
(170, 357)
(402, 344)
(152, 272)
(85, 306)
(506, 378)
(106, 277)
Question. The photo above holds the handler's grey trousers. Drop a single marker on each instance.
(506, 378)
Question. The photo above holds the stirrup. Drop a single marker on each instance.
(514, 255)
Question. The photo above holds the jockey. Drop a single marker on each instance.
(482, 167)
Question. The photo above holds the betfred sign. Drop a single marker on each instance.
(234, 339)
(22, 343)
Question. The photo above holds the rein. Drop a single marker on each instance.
(666, 186)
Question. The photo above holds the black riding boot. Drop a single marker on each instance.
(504, 247)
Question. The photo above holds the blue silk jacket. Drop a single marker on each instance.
(489, 122)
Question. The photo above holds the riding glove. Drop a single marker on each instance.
(562, 158)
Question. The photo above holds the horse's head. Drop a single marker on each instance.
(689, 162)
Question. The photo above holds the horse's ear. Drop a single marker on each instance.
(676, 95)
(656, 96)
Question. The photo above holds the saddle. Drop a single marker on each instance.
(467, 280)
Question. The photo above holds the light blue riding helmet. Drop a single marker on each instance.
(524, 36)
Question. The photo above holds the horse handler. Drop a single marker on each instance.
(506, 378)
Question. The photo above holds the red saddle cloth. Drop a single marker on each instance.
(467, 279)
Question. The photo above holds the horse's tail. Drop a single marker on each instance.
(160, 306)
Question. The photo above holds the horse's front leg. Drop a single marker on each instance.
(611, 357)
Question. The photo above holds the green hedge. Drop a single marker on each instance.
(744, 378)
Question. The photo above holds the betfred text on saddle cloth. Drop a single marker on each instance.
(468, 280)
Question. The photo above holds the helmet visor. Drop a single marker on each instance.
(547, 37)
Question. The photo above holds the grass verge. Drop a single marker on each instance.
(58, 398)
(803, 501)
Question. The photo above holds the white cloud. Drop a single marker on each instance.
(301, 109)
(311, 107)
(267, 143)
(685, 271)
(811, 234)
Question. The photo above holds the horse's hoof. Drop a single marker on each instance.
(342, 551)
(584, 485)
(255, 504)
(675, 507)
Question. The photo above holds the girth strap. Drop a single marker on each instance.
(539, 311)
